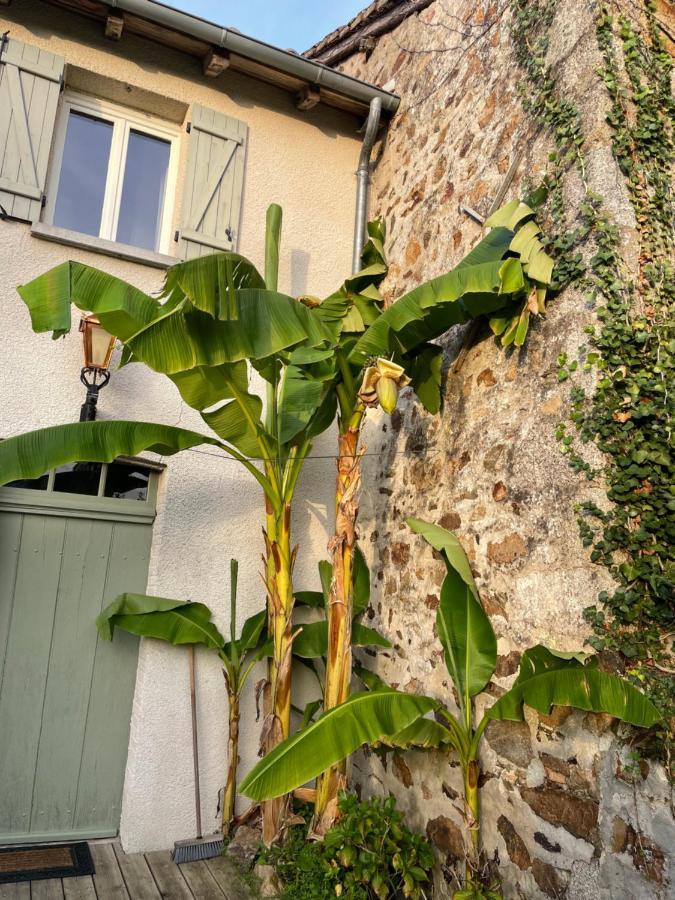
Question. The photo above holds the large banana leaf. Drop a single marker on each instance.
(546, 679)
(209, 282)
(205, 386)
(121, 308)
(401, 327)
(469, 643)
(448, 544)
(263, 323)
(174, 621)
(362, 719)
(238, 422)
(30, 455)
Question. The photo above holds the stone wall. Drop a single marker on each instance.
(564, 813)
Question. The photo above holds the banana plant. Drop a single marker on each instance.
(216, 315)
(183, 622)
(380, 351)
(546, 678)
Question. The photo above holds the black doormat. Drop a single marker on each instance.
(32, 862)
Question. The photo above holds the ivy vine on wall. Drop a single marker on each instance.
(628, 416)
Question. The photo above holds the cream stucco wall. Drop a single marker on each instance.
(209, 509)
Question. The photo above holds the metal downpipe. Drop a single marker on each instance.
(363, 179)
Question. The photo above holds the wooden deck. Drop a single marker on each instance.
(138, 876)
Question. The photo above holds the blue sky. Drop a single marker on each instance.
(289, 24)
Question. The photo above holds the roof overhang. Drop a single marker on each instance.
(224, 49)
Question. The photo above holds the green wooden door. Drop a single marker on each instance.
(65, 695)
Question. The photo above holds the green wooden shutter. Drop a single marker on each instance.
(30, 82)
(214, 183)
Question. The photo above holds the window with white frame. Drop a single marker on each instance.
(114, 173)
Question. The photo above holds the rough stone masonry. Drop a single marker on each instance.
(564, 812)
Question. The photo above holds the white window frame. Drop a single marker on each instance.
(123, 120)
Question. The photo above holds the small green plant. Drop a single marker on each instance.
(546, 678)
(181, 622)
(370, 853)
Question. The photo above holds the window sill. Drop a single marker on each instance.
(99, 245)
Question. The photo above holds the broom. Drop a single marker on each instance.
(201, 847)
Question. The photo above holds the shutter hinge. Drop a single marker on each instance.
(62, 83)
(175, 236)
(229, 235)
(188, 127)
(43, 201)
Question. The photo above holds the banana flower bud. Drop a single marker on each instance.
(381, 384)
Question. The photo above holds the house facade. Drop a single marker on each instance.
(132, 136)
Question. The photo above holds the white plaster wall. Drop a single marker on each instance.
(209, 509)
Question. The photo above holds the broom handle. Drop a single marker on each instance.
(195, 748)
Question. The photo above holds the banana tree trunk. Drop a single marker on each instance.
(233, 761)
(277, 697)
(472, 813)
(340, 613)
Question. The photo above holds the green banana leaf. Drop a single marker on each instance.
(362, 719)
(208, 281)
(312, 641)
(546, 679)
(370, 679)
(401, 326)
(448, 544)
(266, 323)
(469, 643)
(121, 308)
(424, 370)
(238, 423)
(360, 583)
(299, 399)
(205, 386)
(35, 452)
(252, 635)
(174, 621)
(422, 734)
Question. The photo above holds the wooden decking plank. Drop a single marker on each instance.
(20, 890)
(228, 878)
(80, 888)
(168, 876)
(47, 889)
(201, 881)
(108, 881)
(137, 875)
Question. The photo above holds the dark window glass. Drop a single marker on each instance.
(126, 482)
(78, 478)
(36, 484)
(143, 190)
(84, 170)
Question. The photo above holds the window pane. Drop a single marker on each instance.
(78, 478)
(35, 484)
(84, 170)
(127, 482)
(143, 190)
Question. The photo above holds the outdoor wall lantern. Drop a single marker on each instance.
(98, 347)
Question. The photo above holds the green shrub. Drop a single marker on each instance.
(368, 854)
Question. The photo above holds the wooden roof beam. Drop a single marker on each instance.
(214, 63)
(307, 97)
(114, 25)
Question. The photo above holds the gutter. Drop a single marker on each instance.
(313, 73)
(362, 181)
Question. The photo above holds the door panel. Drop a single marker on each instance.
(65, 695)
